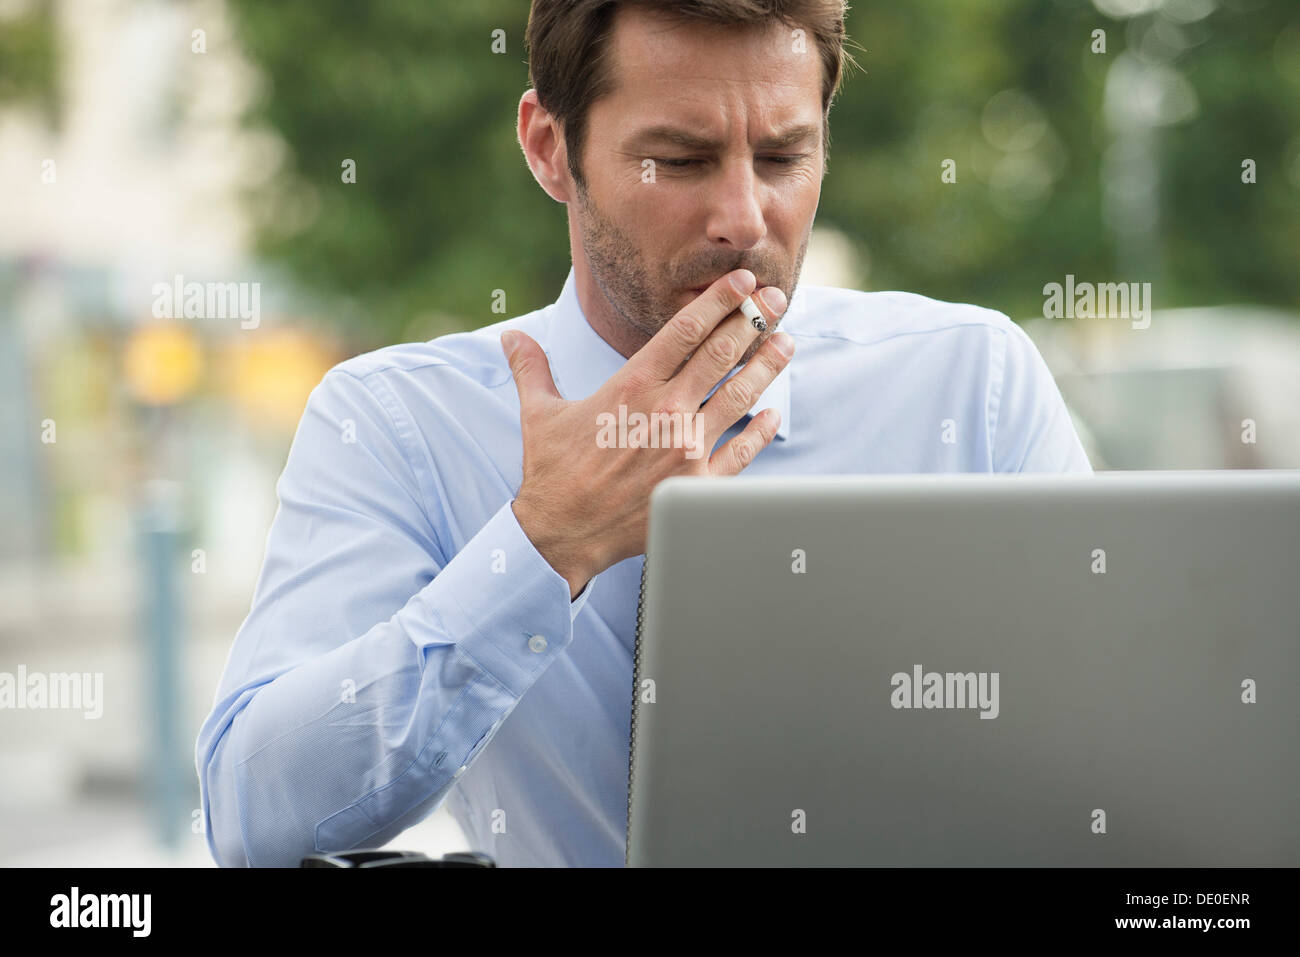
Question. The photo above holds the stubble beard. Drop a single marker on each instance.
(618, 270)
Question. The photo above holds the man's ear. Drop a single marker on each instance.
(542, 140)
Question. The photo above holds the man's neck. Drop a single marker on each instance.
(604, 321)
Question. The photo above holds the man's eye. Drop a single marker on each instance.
(680, 163)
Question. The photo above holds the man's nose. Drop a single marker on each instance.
(735, 209)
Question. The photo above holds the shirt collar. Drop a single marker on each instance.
(581, 361)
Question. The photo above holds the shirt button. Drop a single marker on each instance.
(537, 644)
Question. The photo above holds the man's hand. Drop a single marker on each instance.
(584, 506)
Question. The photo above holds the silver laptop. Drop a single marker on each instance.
(969, 670)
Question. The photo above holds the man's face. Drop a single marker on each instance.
(655, 234)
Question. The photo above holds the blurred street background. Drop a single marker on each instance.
(142, 141)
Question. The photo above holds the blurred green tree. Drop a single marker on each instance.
(443, 211)
(29, 57)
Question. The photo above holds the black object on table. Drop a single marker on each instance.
(378, 857)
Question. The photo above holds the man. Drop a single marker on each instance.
(447, 604)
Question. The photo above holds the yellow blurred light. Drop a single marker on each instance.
(162, 363)
(271, 374)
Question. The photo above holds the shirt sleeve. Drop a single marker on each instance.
(372, 669)
(1029, 421)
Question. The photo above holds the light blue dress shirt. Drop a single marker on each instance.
(406, 642)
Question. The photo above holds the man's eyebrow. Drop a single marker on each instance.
(677, 136)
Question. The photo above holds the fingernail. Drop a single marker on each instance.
(508, 340)
(784, 344)
(743, 281)
(773, 298)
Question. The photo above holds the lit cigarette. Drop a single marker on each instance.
(752, 313)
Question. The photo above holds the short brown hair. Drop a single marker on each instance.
(567, 40)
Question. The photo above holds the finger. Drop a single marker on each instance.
(726, 345)
(663, 355)
(529, 367)
(740, 451)
(738, 394)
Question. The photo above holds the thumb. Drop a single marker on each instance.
(528, 365)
